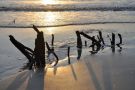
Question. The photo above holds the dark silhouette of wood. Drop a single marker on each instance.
(93, 44)
(119, 44)
(69, 55)
(91, 38)
(39, 50)
(120, 37)
(85, 43)
(79, 40)
(24, 50)
(101, 37)
(79, 45)
(94, 41)
(52, 51)
(113, 42)
(35, 28)
(113, 39)
(52, 43)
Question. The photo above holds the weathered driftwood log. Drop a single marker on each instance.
(91, 38)
(95, 42)
(52, 51)
(25, 50)
(39, 50)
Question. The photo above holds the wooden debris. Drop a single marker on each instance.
(52, 51)
(68, 55)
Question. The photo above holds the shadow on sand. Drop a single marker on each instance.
(28, 81)
(106, 82)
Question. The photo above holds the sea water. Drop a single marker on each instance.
(61, 18)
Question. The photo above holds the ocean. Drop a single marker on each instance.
(61, 18)
(46, 13)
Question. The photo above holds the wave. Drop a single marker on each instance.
(68, 8)
(62, 25)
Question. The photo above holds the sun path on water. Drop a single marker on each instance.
(48, 1)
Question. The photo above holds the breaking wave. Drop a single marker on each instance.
(32, 9)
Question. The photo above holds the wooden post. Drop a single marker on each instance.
(69, 55)
(52, 43)
(113, 42)
(79, 45)
(39, 49)
(79, 40)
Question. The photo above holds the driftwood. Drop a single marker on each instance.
(68, 53)
(39, 50)
(24, 50)
(79, 44)
(94, 42)
(101, 37)
(113, 42)
(37, 57)
(120, 37)
(79, 40)
(52, 43)
(91, 38)
(52, 51)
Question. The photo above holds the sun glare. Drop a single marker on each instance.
(48, 1)
(50, 17)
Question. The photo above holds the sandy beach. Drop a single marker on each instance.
(94, 44)
(103, 71)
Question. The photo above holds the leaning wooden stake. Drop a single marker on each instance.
(24, 50)
(52, 51)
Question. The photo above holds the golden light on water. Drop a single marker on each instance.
(48, 1)
(51, 18)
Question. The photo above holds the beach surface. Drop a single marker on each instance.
(103, 72)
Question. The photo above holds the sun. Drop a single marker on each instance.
(48, 1)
